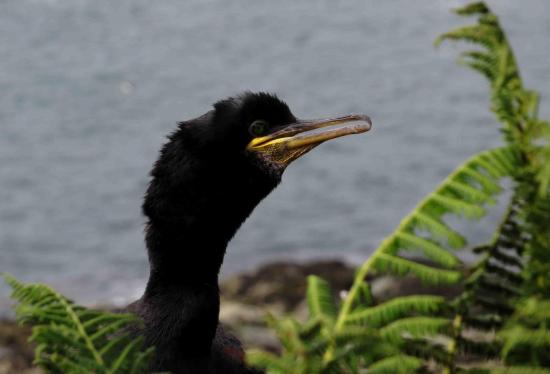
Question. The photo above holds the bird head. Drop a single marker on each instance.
(259, 128)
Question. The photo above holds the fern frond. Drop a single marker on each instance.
(73, 339)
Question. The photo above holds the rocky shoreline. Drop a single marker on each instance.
(278, 288)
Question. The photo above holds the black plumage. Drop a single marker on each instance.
(209, 177)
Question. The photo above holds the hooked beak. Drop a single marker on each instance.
(286, 144)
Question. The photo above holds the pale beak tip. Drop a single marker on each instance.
(366, 119)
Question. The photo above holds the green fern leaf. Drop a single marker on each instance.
(401, 266)
(438, 229)
(266, 360)
(488, 185)
(391, 310)
(469, 193)
(472, 8)
(519, 335)
(288, 332)
(356, 334)
(430, 249)
(319, 298)
(459, 206)
(484, 35)
(399, 364)
(479, 56)
(486, 70)
(73, 339)
(519, 370)
(416, 327)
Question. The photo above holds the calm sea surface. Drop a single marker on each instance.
(89, 89)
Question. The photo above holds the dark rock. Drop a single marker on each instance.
(284, 283)
(16, 353)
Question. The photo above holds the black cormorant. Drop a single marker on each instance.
(209, 177)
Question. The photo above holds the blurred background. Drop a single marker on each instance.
(89, 90)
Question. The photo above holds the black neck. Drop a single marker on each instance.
(181, 301)
(183, 256)
(194, 205)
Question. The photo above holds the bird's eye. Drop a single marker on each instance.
(258, 128)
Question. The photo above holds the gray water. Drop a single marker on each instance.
(89, 89)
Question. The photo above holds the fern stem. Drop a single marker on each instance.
(453, 344)
(348, 303)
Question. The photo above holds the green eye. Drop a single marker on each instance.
(258, 128)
